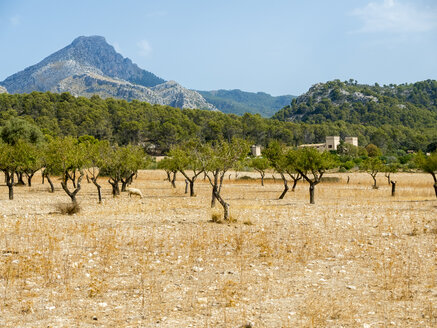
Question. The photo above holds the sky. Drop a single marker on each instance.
(274, 46)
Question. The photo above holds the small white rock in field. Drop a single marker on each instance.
(351, 287)
(197, 269)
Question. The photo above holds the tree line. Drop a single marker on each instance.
(157, 128)
(24, 150)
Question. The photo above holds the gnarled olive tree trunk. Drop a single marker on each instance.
(284, 179)
(76, 186)
(9, 177)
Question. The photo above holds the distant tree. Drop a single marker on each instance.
(275, 153)
(49, 164)
(187, 160)
(97, 153)
(260, 164)
(284, 162)
(23, 135)
(19, 129)
(312, 164)
(123, 164)
(372, 165)
(373, 150)
(9, 165)
(291, 157)
(30, 159)
(390, 169)
(428, 164)
(170, 167)
(216, 160)
(67, 156)
(135, 159)
(347, 149)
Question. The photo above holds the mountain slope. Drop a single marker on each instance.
(240, 102)
(409, 105)
(89, 65)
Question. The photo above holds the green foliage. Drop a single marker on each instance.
(16, 129)
(412, 105)
(311, 161)
(159, 128)
(8, 157)
(373, 150)
(372, 164)
(123, 162)
(260, 164)
(426, 163)
(222, 155)
(391, 167)
(186, 156)
(275, 153)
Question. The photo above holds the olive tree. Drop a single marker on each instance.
(186, 158)
(122, 164)
(261, 165)
(284, 162)
(218, 158)
(169, 165)
(390, 169)
(372, 165)
(428, 164)
(312, 164)
(97, 153)
(66, 156)
(31, 159)
(9, 165)
(23, 136)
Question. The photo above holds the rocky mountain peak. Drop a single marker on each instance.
(89, 65)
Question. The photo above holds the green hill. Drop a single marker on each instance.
(240, 102)
(410, 105)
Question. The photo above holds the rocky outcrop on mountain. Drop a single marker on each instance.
(89, 65)
(3, 90)
(338, 93)
(169, 93)
(175, 95)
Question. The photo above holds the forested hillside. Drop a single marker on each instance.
(240, 102)
(408, 105)
(159, 127)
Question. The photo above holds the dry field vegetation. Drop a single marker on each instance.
(358, 258)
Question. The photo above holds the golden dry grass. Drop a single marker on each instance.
(358, 258)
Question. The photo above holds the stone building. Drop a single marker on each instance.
(331, 143)
(255, 150)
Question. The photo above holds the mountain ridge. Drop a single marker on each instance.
(89, 65)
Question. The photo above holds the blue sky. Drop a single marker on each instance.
(275, 46)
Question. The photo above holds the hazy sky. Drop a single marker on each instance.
(275, 46)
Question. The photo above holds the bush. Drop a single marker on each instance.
(68, 208)
(245, 177)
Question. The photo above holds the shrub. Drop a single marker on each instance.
(68, 208)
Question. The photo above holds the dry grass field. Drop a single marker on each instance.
(358, 258)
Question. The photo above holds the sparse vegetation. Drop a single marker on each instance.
(358, 259)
